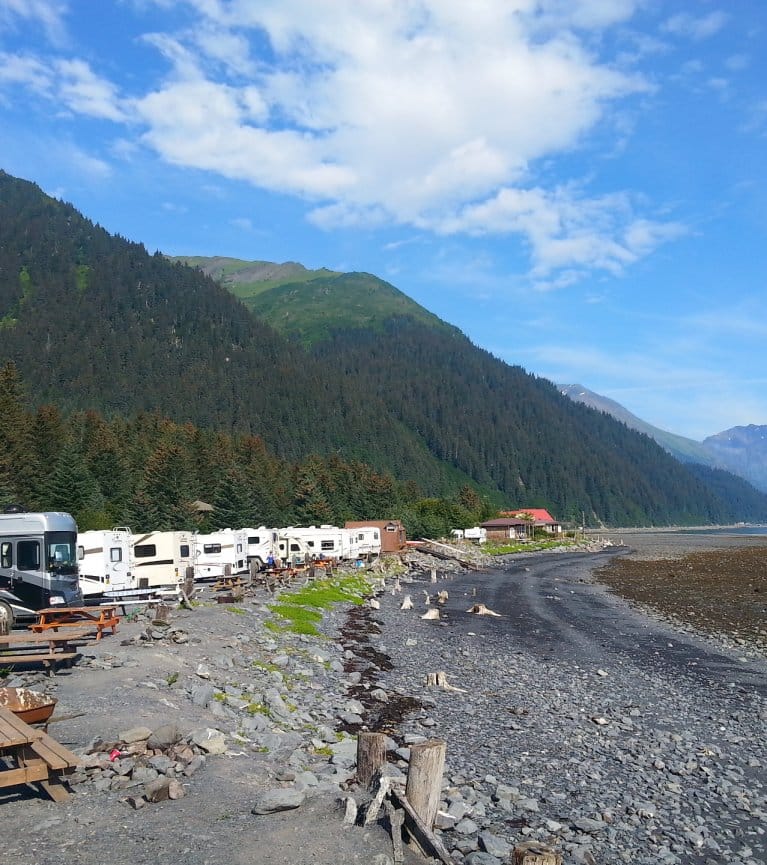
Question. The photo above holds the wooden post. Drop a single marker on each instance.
(371, 755)
(424, 778)
(162, 614)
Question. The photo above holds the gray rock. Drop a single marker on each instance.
(280, 799)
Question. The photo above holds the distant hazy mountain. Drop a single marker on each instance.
(740, 450)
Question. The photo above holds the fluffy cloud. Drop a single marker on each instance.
(435, 114)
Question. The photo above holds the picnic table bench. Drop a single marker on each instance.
(47, 648)
(29, 755)
(100, 618)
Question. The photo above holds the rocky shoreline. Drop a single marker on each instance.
(607, 763)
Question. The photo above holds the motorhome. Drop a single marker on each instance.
(260, 545)
(221, 554)
(38, 563)
(328, 542)
(105, 560)
(162, 558)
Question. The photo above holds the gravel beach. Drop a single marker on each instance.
(571, 718)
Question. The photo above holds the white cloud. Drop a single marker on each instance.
(433, 114)
(695, 27)
(86, 93)
(49, 14)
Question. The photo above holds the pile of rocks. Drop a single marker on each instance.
(149, 765)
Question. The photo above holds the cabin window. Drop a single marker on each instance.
(145, 551)
(184, 551)
(391, 528)
(6, 554)
(327, 545)
(28, 555)
(211, 548)
(115, 554)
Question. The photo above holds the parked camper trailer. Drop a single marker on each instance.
(106, 561)
(260, 546)
(38, 563)
(162, 558)
(221, 554)
(325, 541)
(368, 541)
(476, 534)
(290, 549)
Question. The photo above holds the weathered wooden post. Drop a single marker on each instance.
(161, 614)
(424, 779)
(371, 755)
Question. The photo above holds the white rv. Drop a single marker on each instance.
(327, 542)
(291, 550)
(106, 562)
(162, 558)
(367, 541)
(221, 554)
(476, 534)
(260, 545)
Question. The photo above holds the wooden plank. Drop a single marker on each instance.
(24, 775)
(14, 731)
(423, 837)
(34, 638)
(55, 755)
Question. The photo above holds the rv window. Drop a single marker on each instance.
(255, 539)
(360, 537)
(294, 548)
(145, 551)
(6, 555)
(28, 555)
(211, 548)
(239, 548)
(310, 544)
(184, 551)
(327, 545)
(115, 554)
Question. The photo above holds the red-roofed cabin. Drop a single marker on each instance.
(539, 518)
(504, 529)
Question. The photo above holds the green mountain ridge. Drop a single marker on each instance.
(93, 322)
(308, 305)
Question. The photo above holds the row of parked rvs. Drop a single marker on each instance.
(45, 561)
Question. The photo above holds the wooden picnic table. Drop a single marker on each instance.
(101, 617)
(29, 755)
(49, 648)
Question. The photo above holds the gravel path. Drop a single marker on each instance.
(614, 737)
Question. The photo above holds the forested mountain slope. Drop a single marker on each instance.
(93, 321)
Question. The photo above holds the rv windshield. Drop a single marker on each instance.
(61, 552)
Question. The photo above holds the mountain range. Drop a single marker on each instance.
(318, 363)
(741, 450)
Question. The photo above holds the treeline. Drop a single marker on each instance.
(148, 472)
(93, 322)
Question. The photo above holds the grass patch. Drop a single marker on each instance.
(236, 610)
(301, 609)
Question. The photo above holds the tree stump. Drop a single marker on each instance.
(424, 779)
(371, 755)
(535, 853)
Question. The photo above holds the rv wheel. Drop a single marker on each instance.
(6, 618)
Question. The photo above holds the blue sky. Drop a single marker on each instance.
(579, 185)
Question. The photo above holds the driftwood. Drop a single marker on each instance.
(419, 833)
(407, 603)
(374, 604)
(442, 598)
(374, 806)
(432, 613)
(482, 610)
(396, 820)
(439, 680)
